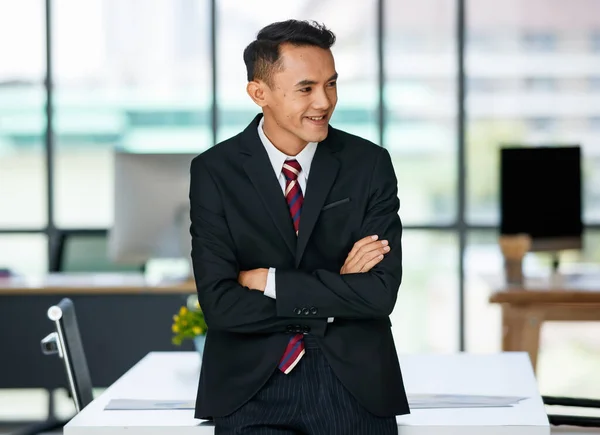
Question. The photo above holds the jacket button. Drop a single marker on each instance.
(306, 329)
(297, 311)
(289, 328)
(305, 311)
(313, 310)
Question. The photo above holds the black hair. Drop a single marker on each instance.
(262, 56)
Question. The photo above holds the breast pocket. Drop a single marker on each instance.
(335, 204)
(338, 215)
(336, 208)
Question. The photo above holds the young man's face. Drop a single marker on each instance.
(303, 95)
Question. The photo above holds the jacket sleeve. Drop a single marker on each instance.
(226, 304)
(373, 294)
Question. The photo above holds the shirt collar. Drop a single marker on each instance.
(278, 158)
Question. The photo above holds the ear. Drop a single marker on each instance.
(256, 91)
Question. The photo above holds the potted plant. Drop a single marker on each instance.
(189, 324)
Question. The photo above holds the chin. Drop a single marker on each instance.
(316, 137)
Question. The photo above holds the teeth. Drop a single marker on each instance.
(314, 118)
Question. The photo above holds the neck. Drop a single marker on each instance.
(283, 140)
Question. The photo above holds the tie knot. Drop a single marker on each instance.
(291, 169)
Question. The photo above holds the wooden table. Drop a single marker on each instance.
(525, 308)
(93, 283)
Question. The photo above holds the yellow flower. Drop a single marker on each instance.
(183, 311)
(175, 328)
(175, 318)
(197, 330)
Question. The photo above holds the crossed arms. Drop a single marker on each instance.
(232, 300)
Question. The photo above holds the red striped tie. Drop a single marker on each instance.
(293, 195)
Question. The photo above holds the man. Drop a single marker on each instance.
(296, 247)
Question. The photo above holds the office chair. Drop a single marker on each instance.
(572, 420)
(66, 342)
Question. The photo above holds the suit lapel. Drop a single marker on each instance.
(260, 171)
(323, 172)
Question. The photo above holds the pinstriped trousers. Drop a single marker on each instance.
(309, 400)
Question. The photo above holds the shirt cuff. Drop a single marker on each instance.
(270, 287)
(330, 320)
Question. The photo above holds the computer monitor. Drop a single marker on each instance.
(540, 195)
(151, 207)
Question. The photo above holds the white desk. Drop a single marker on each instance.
(174, 376)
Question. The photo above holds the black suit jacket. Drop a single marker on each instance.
(240, 221)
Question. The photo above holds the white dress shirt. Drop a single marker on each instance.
(277, 159)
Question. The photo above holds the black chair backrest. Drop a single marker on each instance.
(73, 355)
(572, 420)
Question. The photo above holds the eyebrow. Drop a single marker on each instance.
(312, 82)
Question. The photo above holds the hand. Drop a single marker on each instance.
(255, 279)
(365, 254)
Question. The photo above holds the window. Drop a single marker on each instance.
(539, 41)
(478, 84)
(515, 116)
(569, 352)
(24, 254)
(595, 41)
(22, 118)
(138, 77)
(129, 76)
(479, 41)
(355, 54)
(541, 124)
(594, 123)
(540, 84)
(421, 86)
(426, 315)
(594, 83)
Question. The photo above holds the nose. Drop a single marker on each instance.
(322, 100)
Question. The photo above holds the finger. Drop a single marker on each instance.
(366, 262)
(367, 247)
(367, 258)
(377, 246)
(372, 263)
(361, 243)
(372, 246)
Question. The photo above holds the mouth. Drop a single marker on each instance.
(318, 120)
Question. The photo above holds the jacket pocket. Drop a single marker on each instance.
(335, 204)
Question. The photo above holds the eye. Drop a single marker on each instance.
(305, 90)
(332, 84)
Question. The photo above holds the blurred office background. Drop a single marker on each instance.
(440, 83)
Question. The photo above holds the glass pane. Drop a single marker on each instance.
(569, 352)
(89, 253)
(22, 119)
(532, 81)
(426, 315)
(355, 54)
(24, 254)
(420, 98)
(483, 263)
(129, 74)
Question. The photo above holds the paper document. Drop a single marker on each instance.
(429, 401)
(415, 401)
(143, 404)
